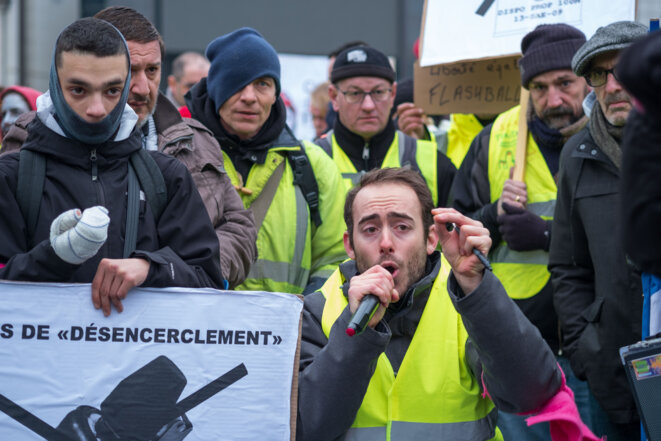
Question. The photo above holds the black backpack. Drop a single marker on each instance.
(143, 174)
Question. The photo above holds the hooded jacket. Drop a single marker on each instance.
(180, 245)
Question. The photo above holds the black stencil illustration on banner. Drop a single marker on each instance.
(142, 407)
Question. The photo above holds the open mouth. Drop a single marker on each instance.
(391, 268)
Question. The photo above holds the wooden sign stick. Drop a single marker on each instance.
(522, 139)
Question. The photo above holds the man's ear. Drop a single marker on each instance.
(432, 239)
(332, 94)
(172, 82)
(347, 245)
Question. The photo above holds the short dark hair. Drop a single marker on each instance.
(133, 25)
(397, 175)
(348, 45)
(92, 36)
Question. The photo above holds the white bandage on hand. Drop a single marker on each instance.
(76, 237)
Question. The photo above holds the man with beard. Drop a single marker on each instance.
(292, 187)
(597, 290)
(418, 368)
(519, 214)
(188, 140)
(90, 224)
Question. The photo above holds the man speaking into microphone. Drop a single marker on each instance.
(443, 328)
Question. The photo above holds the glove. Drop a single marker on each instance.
(76, 236)
(523, 230)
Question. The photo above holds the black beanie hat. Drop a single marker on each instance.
(548, 47)
(361, 61)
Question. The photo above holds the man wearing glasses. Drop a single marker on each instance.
(597, 292)
(364, 137)
(519, 214)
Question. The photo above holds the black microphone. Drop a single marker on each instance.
(366, 309)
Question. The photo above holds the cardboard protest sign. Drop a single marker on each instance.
(484, 86)
(178, 363)
(467, 46)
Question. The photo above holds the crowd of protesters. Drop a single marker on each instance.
(207, 186)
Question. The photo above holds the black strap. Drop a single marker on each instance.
(263, 201)
(132, 213)
(408, 156)
(30, 187)
(151, 181)
(304, 177)
(326, 144)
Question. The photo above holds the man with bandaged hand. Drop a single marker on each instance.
(95, 223)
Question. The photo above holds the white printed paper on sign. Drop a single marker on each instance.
(178, 363)
(473, 29)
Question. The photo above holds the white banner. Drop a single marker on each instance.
(178, 363)
(473, 29)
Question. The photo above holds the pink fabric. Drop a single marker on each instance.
(2, 265)
(562, 415)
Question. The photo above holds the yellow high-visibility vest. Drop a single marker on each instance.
(434, 396)
(522, 273)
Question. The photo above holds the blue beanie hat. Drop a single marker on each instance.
(237, 59)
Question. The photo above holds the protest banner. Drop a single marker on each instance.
(178, 363)
(481, 34)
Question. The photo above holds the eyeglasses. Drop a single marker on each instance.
(598, 76)
(357, 96)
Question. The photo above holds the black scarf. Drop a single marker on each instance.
(353, 144)
(550, 140)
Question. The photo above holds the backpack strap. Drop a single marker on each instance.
(304, 177)
(132, 213)
(326, 143)
(30, 187)
(407, 151)
(151, 181)
(262, 203)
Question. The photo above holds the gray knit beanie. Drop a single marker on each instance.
(614, 37)
(548, 47)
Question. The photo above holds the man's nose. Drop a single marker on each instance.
(248, 93)
(95, 108)
(612, 85)
(368, 103)
(554, 97)
(139, 83)
(386, 243)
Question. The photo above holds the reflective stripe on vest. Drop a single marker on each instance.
(424, 155)
(523, 273)
(283, 237)
(434, 395)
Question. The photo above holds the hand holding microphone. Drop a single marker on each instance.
(370, 293)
